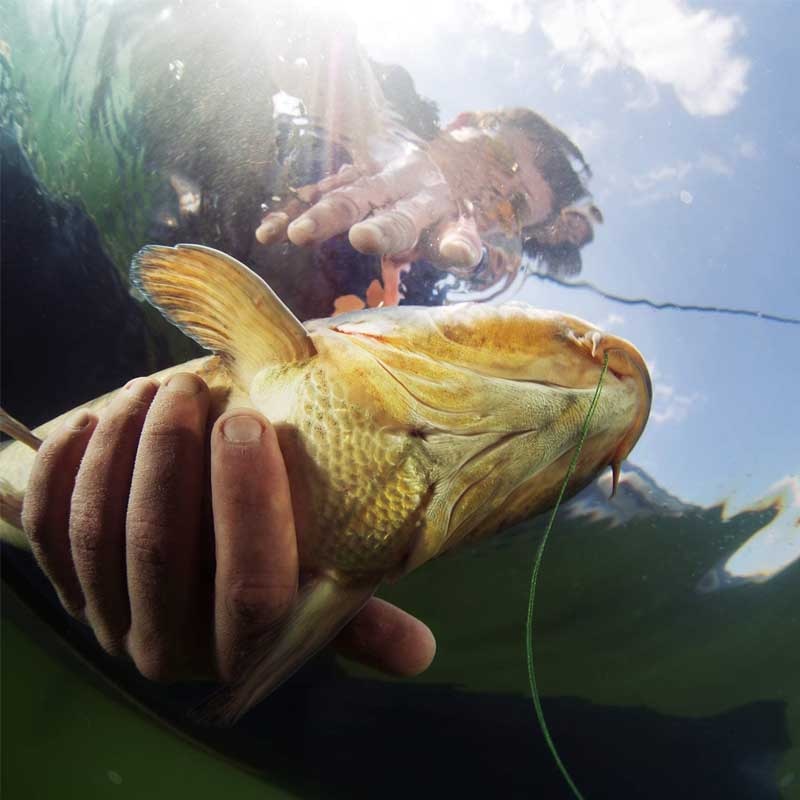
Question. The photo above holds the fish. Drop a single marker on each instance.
(406, 431)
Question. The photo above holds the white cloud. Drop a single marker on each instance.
(710, 162)
(667, 180)
(384, 31)
(775, 546)
(747, 148)
(586, 135)
(667, 173)
(612, 321)
(665, 41)
(669, 405)
(509, 16)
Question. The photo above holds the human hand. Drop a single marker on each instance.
(115, 513)
(385, 212)
(468, 190)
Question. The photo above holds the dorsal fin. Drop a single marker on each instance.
(222, 305)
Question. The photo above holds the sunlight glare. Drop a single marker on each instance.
(383, 24)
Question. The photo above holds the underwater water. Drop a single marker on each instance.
(667, 629)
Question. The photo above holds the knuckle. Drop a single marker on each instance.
(32, 521)
(84, 537)
(146, 542)
(168, 436)
(343, 202)
(373, 183)
(165, 428)
(243, 499)
(47, 454)
(40, 531)
(119, 417)
(253, 602)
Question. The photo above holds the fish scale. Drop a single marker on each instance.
(371, 479)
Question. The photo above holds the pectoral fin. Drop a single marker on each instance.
(222, 305)
(323, 607)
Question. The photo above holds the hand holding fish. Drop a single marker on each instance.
(115, 515)
(404, 432)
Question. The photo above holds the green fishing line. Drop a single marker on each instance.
(535, 576)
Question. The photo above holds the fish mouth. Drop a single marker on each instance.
(627, 365)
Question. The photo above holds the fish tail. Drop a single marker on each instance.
(323, 607)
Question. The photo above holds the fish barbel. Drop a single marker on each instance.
(405, 431)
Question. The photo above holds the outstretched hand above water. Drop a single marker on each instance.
(470, 197)
(115, 514)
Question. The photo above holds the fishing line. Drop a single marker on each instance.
(666, 305)
(535, 577)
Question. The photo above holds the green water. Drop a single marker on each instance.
(52, 710)
(617, 627)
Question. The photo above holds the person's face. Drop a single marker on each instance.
(538, 196)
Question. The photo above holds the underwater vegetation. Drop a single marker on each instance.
(101, 170)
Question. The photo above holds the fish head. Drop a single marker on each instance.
(496, 398)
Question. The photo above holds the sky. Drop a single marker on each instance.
(684, 113)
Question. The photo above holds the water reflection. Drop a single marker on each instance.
(771, 549)
(348, 147)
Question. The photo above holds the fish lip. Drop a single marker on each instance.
(626, 362)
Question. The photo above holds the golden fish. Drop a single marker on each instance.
(405, 431)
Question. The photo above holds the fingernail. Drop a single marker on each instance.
(79, 420)
(183, 383)
(369, 238)
(305, 226)
(140, 388)
(241, 429)
(266, 231)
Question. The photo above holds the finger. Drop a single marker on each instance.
(460, 243)
(99, 506)
(272, 229)
(45, 510)
(397, 229)
(335, 213)
(313, 192)
(163, 528)
(387, 638)
(256, 546)
(342, 208)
